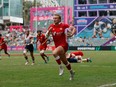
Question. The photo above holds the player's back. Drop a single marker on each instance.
(76, 53)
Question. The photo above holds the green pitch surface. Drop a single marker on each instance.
(100, 73)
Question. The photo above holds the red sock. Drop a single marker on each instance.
(68, 66)
(58, 60)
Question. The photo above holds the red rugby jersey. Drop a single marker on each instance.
(58, 33)
(42, 39)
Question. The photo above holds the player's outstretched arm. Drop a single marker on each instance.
(44, 42)
(48, 33)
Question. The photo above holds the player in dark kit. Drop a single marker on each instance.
(28, 43)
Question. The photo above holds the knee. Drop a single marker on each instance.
(24, 52)
(41, 54)
(54, 53)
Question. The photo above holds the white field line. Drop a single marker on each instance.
(108, 85)
(95, 66)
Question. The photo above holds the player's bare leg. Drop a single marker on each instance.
(100, 34)
(6, 53)
(42, 55)
(60, 51)
(57, 58)
(79, 59)
(94, 34)
(33, 59)
(26, 58)
(67, 64)
(46, 56)
(87, 60)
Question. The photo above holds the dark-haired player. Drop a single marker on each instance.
(42, 45)
(28, 43)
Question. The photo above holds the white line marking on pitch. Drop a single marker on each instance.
(108, 85)
(94, 66)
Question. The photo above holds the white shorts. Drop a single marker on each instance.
(42, 51)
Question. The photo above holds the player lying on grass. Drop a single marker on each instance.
(42, 45)
(76, 57)
(3, 45)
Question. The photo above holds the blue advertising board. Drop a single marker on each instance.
(86, 34)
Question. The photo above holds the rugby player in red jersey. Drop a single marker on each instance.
(57, 29)
(77, 57)
(3, 45)
(42, 45)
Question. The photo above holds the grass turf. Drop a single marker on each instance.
(13, 72)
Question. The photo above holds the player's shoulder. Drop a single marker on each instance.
(51, 25)
(2, 38)
(65, 25)
(37, 36)
(43, 35)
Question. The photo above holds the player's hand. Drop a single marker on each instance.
(69, 34)
(71, 31)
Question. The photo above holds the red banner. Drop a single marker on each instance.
(16, 28)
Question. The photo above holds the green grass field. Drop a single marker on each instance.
(102, 71)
